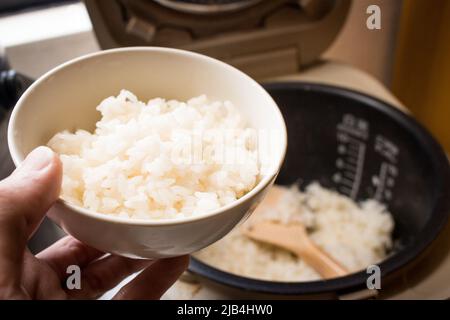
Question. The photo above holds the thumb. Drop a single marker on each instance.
(25, 197)
(31, 189)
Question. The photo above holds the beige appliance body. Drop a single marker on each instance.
(264, 39)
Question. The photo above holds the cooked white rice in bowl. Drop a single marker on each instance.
(159, 160)
(354, 234)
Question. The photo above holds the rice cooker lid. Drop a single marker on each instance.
(262, 37)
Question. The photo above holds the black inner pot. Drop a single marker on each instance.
(363, 148)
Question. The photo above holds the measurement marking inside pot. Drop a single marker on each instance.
(347, 182)
(350, 167)
(381, 181)
(353, 145)
(353, 154)
(352, 131)
(352, 160)
(359, 170)
(352, 142)
(345, 190)
(349, 174)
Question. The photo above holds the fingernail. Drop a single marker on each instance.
(38, 159)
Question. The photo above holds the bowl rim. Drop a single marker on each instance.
(262, 184)
(389, 266)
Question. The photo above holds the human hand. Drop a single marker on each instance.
(25, 197)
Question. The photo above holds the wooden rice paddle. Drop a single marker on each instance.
(294, 238)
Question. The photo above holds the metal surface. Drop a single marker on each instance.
(207, 6)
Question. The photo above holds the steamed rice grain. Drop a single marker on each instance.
(158, 160)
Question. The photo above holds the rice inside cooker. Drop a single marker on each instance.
(355, 234)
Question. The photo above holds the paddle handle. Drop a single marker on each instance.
(320, 261)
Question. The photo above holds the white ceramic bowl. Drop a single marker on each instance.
(66, 97)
